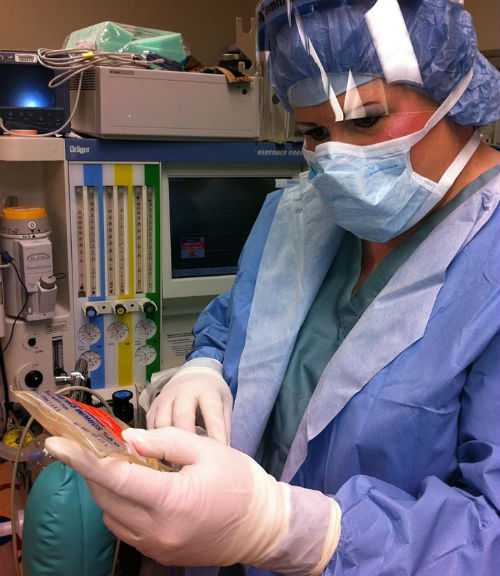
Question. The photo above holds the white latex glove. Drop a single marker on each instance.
(221, 508)
(198, 387)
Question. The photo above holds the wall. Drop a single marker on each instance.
(486, 14)
(208, 25)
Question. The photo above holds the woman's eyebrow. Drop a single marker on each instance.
(372, 106)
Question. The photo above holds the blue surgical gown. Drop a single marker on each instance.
(403, 428)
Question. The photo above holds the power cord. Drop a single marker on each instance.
(73, 61)
(5, 405)
(7, 258)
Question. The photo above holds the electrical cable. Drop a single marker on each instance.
(19, 314)
(72, 61)
(13, 506)
(115, 558)
(5, 406)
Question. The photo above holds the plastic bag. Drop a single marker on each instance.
(114, 37)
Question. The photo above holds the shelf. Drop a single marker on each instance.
(183, 151)
(24, 149)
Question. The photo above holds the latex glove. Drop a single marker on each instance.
(197, 387)
(220, 509)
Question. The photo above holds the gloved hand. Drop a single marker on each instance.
(221, 508)
(197, 387)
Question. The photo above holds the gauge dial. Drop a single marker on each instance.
(89, 334)
(117, 331)
(145, 329)
(93, 359)
(145, 355)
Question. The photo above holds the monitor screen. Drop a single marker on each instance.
(26, 86)
(210, 219)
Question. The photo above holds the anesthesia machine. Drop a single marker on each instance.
(110, 261)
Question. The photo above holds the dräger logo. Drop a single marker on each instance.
(79, 149)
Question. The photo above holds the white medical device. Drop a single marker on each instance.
(30, 285)
(136, 103)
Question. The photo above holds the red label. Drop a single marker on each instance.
(107, 421)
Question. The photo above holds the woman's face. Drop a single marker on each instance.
(377, 113)
(381, 112)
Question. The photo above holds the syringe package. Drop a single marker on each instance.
(91, 427)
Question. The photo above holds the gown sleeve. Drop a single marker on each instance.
(211, 330)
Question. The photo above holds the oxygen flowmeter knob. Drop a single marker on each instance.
(149, 308)
(120, 310)
(90, 312)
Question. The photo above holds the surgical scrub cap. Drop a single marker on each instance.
(439, 33)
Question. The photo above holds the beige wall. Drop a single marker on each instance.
(207, 25)
(486, 14)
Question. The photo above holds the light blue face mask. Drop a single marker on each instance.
(374, 190)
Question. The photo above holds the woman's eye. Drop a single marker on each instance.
(319, 133)
(366, 122)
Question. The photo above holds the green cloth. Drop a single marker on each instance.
(331, 317)
(113, 37)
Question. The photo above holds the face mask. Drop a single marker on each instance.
(374, 190)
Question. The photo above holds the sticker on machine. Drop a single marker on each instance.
(179, 341)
